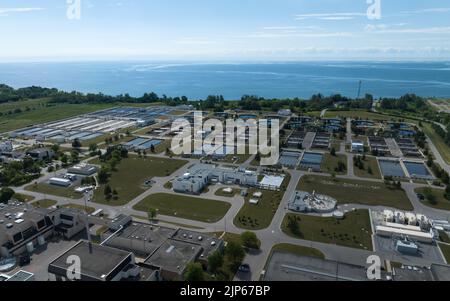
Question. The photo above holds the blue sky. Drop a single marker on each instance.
(224, 29)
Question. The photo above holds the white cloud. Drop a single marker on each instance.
(7, 10)
(427, 30)
(330, 16)
(428, 10)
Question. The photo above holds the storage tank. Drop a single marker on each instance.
(388, 216)
(411, 218)
(41, 240)
(30, 247)
(399, 217)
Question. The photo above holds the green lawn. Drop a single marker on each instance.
(440, 144)
(373, 164)
(44, 203)
(184, 206)
(330, 163)
(358, 114)
(256, 217)
(353, 231)
(298, 250)
(23, 198)
(44, 188)
(445, 251)
(131, 174)
(443, 236)
(80, 207)
(441, 202)
(355, 191)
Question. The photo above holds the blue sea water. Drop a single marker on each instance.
(232, 80)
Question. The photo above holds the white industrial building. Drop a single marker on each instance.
(200, 175)
(405, 225)
(302, 201)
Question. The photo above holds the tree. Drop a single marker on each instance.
(6, 194)
(107, 191)
(333, 152)
(447, 192)
(64, 159)
(74, 156)
(93, 147)
(250, 240)
(103, 176)
(76, 143)
(194, 272)
(235, 251)
(215, 261)
(152, 214)
(293, 226)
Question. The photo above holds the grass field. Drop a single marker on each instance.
(443, 148)
(256, 217)
(353, 231)
(186, 207)
(441, 202)
(358, 114)
(330, 163)
(298, 250)
(23, 198)
(355, 191)
(131, 174)
(445, 251)
(42, 113)
(80, 207)
(443, 236)
(44, 203)
(373, 164)
(45, 188)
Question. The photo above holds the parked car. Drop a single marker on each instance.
(245, 268)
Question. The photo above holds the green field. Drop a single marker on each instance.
(358, 114)
(186, 207)
(42, 113)
(355, 191)
(45, 188)
(445, 251)
(256, 217)
(298, 250)
(80, 207)
(353, 231)
(373, 164)
(131, 174)
(441, 202)
(23, 198)
(44, 203)
(330, 163)
(443, 148)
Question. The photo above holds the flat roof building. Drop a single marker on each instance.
(98, 263)
(200, 175)
(83, 169)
